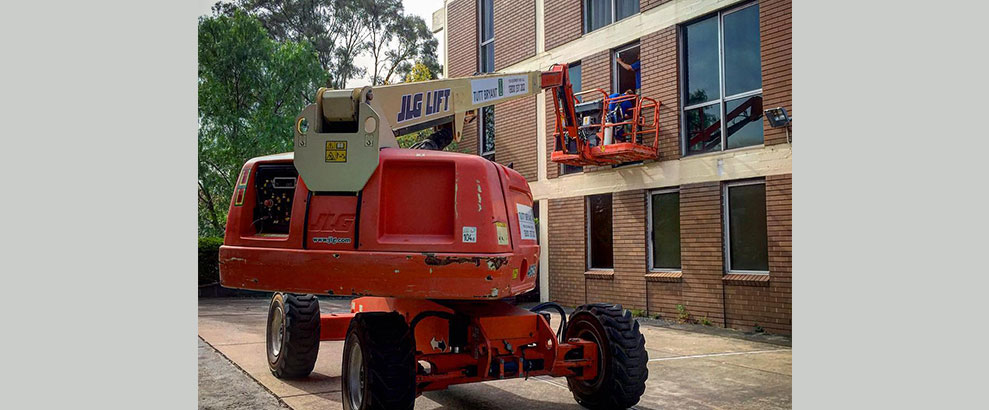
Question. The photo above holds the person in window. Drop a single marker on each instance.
(635, 68)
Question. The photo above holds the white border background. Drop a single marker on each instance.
(99, 257)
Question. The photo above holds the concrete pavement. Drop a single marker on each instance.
(687, 369)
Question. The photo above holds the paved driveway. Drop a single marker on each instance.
(687, 369)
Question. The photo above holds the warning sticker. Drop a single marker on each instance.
(470, 234)
(527, 224)
(502, 229)
(336, 151)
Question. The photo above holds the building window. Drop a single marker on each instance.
(485, 47)
(574, 72)
(625, 69)
(746, 239)
(599, 251)
(600, 13)
(664, 230)
(722, 79)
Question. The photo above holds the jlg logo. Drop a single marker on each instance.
(333, 222)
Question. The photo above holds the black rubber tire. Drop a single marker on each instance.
(389, 363)
(299, 346)
(622, 360)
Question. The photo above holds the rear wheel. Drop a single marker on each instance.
(622, 357)
(378, 363)
(292, 339)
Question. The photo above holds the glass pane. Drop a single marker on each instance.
(625, 8)
(571, 169)
(743, 64)
(597, 14)
(599, 228)
(747, 227)
(700, 42)
(744, 121)
(703, 129)
(487, 22)
(487, 58)
(666, 231)
(488, 126)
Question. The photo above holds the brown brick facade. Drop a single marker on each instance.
(648, 4)
(701, 251)
(462, 58)
(563, 21)
(777, 77)
(516, 139)
(627, 285)
(703, 288)
(567, 242)
(660, 73)
(514, 31)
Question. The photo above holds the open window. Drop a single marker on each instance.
(626, 78)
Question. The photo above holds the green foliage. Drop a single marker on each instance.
(341, 30)
(682, 315)
(638, 313)
(704, 321)
(251, 88)
(209, 259)
(759, 329)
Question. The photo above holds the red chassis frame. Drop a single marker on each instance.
(502, 341)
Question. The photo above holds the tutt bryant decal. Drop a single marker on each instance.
(412, 104)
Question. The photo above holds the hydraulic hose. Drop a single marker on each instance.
(563, 316)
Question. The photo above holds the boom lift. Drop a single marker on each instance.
(428, 241)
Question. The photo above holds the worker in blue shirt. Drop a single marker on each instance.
(633, 67)
(621, 112)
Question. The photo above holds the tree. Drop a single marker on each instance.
(341, 30)
(251, 88)
(413, 43)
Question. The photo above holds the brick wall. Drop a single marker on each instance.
(462, 56)
(768, 304)
(701, 250)
(514, 31)
(660, 71)
(516, 139)
(567, 241)
(648, 4)
(628, 284)
(562, 21)
(777, 84)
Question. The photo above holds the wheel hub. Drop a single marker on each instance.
(277, 331)
(354, 378)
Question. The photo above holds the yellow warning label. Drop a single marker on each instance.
(336, 151)
(502, 229)
(515, 273)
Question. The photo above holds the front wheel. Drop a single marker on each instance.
(621, 353)
(378, 363)
(292, 339)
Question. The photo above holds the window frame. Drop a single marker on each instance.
(481, 44)
(585, 23)
(587, 232)
(615, 76)
(722, 100)
(726, 223)
(563, 167)
(649, 238)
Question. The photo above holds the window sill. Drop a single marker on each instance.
(665, 276)
(746, 279)
(721, 152)
(600, 274)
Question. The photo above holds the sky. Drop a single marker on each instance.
(421, 8)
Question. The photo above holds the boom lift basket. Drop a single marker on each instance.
(612, 130)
